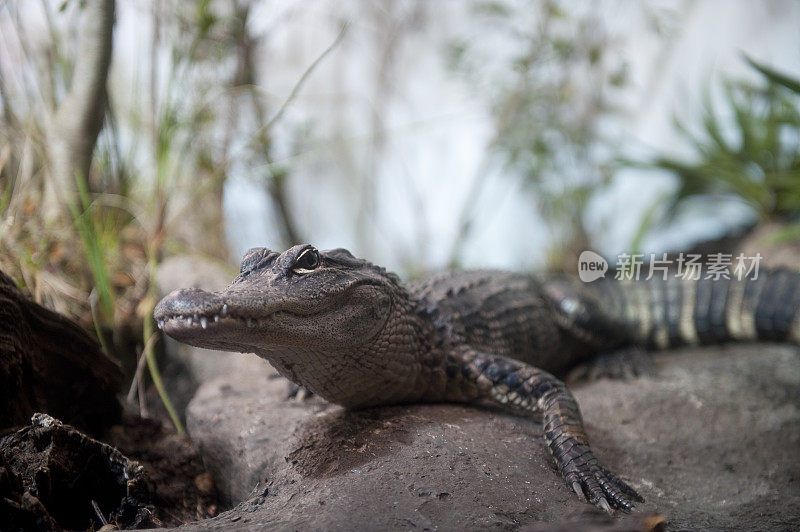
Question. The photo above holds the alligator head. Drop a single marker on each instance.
(317, 316)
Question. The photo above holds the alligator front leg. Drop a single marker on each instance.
(527, 388)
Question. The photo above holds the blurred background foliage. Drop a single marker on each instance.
(157, 172)
(158, 155)
(755, 157)
(547, 102)
(199, 101)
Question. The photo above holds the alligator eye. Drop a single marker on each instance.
(307, 261)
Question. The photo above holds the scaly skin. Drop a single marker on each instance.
(350, 332)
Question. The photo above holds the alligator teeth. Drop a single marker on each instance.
(203, 322)
(160, 324)
(224, 310)
(188, 320)
(216, 318)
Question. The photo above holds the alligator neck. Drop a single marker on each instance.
(400, 365)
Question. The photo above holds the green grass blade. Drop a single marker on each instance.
(152, 366)
(87, 230)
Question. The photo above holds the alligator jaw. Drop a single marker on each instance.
(198, 317)
(227, 321)
(180, 326)
(171, 319)
(174, 323)
(184, 311)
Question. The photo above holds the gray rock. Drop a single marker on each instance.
(711, 441)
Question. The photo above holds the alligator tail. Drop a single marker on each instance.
(663, 313)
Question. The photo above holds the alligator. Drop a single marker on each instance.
(351, 332)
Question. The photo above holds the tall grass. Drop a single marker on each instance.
(94, 248)
(157, 158)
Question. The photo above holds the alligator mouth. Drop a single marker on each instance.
(226, 315)
(199, 320)
(202, 321)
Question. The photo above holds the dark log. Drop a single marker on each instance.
(50, 364)
(53, 477)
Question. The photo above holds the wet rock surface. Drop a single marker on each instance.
(710, 439)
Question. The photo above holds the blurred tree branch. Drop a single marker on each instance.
(73, 129)
(548, 103)
(247, 75)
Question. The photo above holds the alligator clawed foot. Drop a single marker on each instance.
(593, 483)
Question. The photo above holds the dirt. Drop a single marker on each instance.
(182, 489)
(140, 475)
